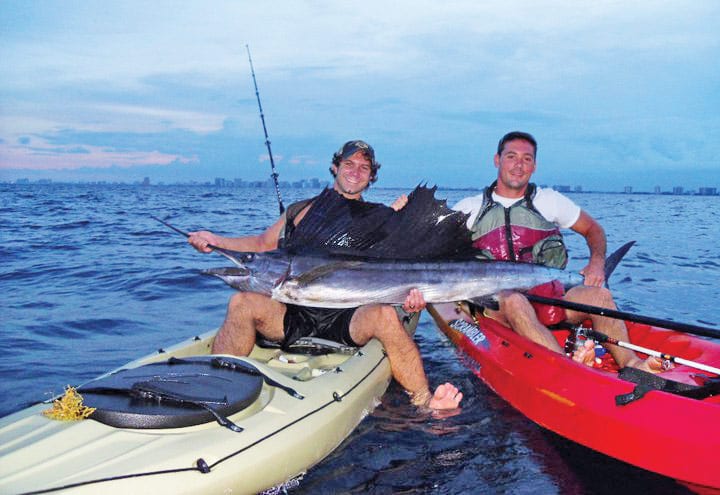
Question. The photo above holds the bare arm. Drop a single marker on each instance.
(594, 235)
(266, 241)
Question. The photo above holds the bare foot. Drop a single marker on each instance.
(586, 354)
(651, 364)
(446, 396)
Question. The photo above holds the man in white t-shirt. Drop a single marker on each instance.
(515, 220)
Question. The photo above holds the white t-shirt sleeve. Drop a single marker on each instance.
(556, 207)
(470, 205)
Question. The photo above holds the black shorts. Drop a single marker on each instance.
(324, 323)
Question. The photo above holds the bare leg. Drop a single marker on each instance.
(517, 312)
(248, 313)
(382, 323)
(612, 327)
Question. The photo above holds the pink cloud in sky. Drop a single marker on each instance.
(266, 158)
(46, 157)
(303, 160)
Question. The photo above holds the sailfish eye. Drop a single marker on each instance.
(248, 257)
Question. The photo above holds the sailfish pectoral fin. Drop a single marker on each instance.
(324, 270)
(490, 302)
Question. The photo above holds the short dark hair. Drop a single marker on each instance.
(510, 136)
(350, 148)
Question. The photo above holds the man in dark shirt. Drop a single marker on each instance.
(354, 168)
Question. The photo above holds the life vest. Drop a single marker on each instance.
(335, 222)
(291, 212)
(521, 233)
(518, 233)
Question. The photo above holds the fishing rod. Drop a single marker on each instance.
(622, 315)
(601, 337)
(229, 254)
(274, 174)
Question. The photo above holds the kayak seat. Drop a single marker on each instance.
(312, 346)
(173, 394)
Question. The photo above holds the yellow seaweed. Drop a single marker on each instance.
(69, 407)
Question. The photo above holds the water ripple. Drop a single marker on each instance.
(90, 281)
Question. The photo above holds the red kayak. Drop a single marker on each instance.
(673, 435)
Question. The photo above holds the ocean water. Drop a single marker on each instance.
(89, 282)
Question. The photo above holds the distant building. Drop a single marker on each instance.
(627, 190)
(146, 181)
(657, 190)
(707, 191)
(561, 188)
(678, 190)
(578, 188)
(22, 181)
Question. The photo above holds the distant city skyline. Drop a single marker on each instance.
(119, 91)
(315, 183)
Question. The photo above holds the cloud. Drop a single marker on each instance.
(43, 156)
(431, 86)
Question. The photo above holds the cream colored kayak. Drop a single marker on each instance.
(282, 435)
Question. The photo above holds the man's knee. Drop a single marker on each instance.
(598, 296)
(514, 302)
(260, 309)
(376, 321)
(243, 300)
(387, 317)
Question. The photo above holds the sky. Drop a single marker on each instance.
(617, 93)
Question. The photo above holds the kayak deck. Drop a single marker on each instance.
(661, 432)
(282, 435)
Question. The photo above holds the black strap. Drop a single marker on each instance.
(147, 390)
(245, 367)
(647, 382)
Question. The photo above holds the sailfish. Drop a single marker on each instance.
(374, 254)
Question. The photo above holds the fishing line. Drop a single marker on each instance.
(274, 174)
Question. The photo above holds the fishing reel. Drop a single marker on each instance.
(576, 339)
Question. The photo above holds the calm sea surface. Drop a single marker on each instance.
(89, 281)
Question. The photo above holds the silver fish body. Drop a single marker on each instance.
(344, 282)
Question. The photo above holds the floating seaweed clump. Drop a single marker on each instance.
(69, 407)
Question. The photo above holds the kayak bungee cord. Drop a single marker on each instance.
(336, 398)
(201, 465)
